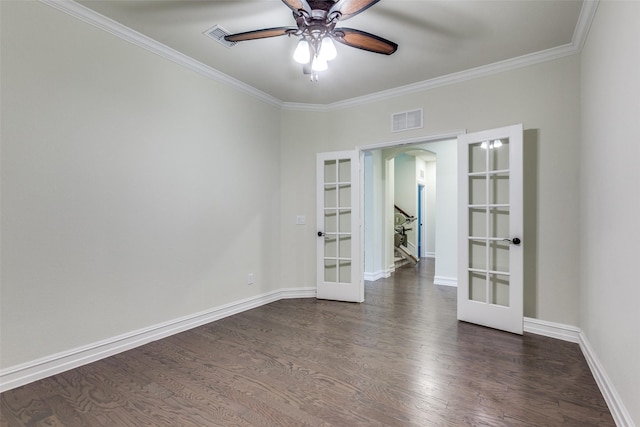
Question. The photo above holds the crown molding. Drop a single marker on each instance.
(298, 106)
(471, 74)
(583, 25)
(93, 18)
(579, 36)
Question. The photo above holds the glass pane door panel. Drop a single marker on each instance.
(499, 188)
(478, 222)
(330, 246)
(331, 221)
(477, 158)
(330, 271)
(337, 221)
(344, 170)
(477, 287)
(499, 154)
(345, 195)
(499, 289)
(477, 190)
(499, 256)
(478, 254)
(330, 196)
(345, 272)
(345, 246)
(499, 222)
(330, 174)
(345, 221)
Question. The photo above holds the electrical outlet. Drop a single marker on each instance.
(250, 279)
(301, 220)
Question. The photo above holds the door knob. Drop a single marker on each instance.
(514, 241)
(320, 234)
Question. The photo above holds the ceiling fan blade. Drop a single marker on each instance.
(350, 8)
(362, 40)
(259, 34)
(296, 5)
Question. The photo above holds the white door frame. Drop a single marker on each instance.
(422, 226)
(396, 143)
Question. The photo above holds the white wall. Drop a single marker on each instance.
(374, 265)
(610, 199)
(369, 210)
(301, 130)
(446, 212)
(133, 190)
(431, 185)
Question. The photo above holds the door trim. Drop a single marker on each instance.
(454, 134)
(436, 137)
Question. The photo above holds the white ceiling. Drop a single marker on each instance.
(436, 38)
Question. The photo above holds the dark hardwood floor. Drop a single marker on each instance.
(399, 359)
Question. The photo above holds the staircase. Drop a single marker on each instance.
(403, 255)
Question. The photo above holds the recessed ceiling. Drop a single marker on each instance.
(435, 37)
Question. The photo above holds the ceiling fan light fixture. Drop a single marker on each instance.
(302, 54)
(319, 64)
(316, 31)
(328, 49)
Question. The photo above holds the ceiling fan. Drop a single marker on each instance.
(316, 28)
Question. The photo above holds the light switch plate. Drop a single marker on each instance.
(300, 220)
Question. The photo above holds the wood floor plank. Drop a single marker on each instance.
(22, 406)
(399, 359)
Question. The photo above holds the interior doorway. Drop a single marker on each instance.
(379, 193)
(477, 212)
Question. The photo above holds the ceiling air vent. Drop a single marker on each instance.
(217, 33)
(406, 120)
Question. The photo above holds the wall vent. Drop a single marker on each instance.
(406, 120)
(217, 33)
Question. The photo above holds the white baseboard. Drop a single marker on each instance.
(430, 255)
(445, 281)
(575, 335)
(618, 410)
(552, 330)
(372, 277)
(28, 372)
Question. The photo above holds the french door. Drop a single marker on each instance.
(490, 225)
(339, 269)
